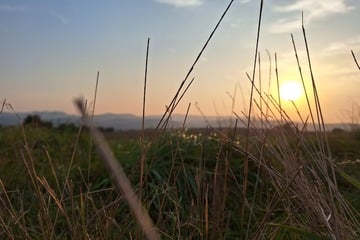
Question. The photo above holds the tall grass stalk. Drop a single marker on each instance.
(142, 137)
(171, 107)
(92, 117)
(246, 162)
(355, 60)
(121, 181)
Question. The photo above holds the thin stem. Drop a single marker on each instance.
(143, 148)
(121, 181)
(186, 115)
(92, 117)
(3, 105)
(144, 94)
(355, 60)
(278, 87)
(171, 107)
(246, 162)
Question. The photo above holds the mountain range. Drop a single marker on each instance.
(132, 122)
(116, 121)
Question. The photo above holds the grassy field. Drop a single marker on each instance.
(274, 179)
(54, 186)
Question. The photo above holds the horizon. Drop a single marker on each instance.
(345, 124)
(52, 52)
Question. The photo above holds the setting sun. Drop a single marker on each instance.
(291, 90)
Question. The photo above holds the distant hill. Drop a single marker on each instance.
(9, 119)
(130, 121)
(116, 121)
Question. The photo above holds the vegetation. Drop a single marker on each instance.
(35, 120)
(54, 186)
(274, 179)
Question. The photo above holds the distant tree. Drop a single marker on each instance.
(109, 129)
(31, 119)
(106, 129)
(34, 120)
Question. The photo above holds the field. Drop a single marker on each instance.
(54, 186)
(275, 178)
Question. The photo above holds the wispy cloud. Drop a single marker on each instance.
(313, 10)
(12, 8)
(25, 9)
(286, 24)
(317, 8)
(181, 3)
(343, 46)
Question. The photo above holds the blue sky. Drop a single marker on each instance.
(50, 52)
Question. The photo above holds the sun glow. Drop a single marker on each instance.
(291, 90)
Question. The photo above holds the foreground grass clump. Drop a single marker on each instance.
(53, 186)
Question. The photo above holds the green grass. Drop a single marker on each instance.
(192, 188)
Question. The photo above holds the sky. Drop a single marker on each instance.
(51, 51)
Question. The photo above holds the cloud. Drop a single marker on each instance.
(12, 8)
(317, 9)
(286, 25)
(181, 3)
(335, 47)
(313, 10)
(343, 46)
(23, 9)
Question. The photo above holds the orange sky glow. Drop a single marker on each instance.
(51, 53)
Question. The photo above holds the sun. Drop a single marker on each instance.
(291, 90)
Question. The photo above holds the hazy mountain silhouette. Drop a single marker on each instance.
(130, 121)
(116, 121)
